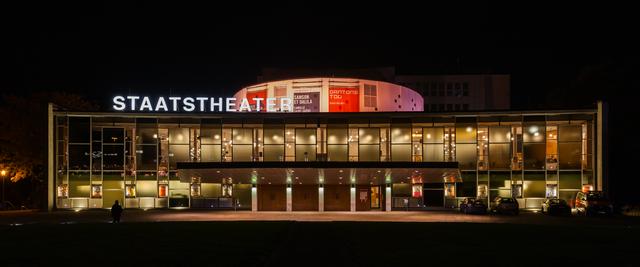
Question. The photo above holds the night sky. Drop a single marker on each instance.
(557, 56)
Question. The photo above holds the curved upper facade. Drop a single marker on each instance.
(336, 95)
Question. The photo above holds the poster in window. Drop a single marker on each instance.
(344, 99)
(130, 191)
(96, 191)
(162, 190)
(257, 94)
(416, 190)
(63, 190)
(306, 102)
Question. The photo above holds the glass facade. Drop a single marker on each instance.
(105, 157)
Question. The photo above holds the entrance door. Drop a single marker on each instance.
(272, 198)
(337, 198)
(434, 197)
(304, 198)
(363, 198)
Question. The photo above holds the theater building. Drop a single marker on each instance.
(316, 144)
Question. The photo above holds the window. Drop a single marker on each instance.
(465, 106)
(457, 107)
(449, 107)
(441, 107)
(449, 91)
(465, 91)
(434, 91)
(370, 96)
(441, 91)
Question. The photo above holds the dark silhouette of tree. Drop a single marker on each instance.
(23, 139)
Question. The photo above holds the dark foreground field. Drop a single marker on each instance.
(318, 244)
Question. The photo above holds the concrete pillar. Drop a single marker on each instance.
(321, 198)
(254, 198)
(353, 197)
(387, 198)
(289, 198)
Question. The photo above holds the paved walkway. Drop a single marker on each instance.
(102, 216)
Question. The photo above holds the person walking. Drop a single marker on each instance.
(116, 212)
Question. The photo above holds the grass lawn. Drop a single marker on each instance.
(318, 244)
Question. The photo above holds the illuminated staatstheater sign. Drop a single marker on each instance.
(202, 104)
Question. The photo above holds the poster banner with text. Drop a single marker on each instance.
(344, 99)
(306, 102)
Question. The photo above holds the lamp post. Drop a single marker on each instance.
(3, 173)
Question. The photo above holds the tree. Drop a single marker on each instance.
(23, 137)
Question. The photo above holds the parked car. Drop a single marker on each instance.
(555, 206)
(505, 205)
(473, 206)
(593, 203)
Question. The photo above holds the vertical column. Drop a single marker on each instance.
(387, 198)
(254, 197)
(353, 197)
(321, 198)
(50, 169)
(289, 197)
(599, 153)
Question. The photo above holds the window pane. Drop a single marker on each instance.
(273, 136)
(79, 184)
(500, 180)
(369, 135)
(179, 136)
(306, 136)
(499, 156)
(337, 153)
(400, 152)
(433, 152)
(500, 134)
(147, 134)
(400, 135)
(369, 153)
(466, 155)
(113, 135)
(570, 133)
(570, 180)
(468, 186)
(210, 190)
(465, 134)
(146, 157)
(534, 155)
(273, 153)
(79, 130)
(178, 153)
(306, 152)
(210, 135)
(433, 135)
(210, 153)
(242, 136)
(146, 188)
(534, 184)
(570, 155)
(533, 133)
(79, 157)
(113, 157)
(337, 136)
(242, 152)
